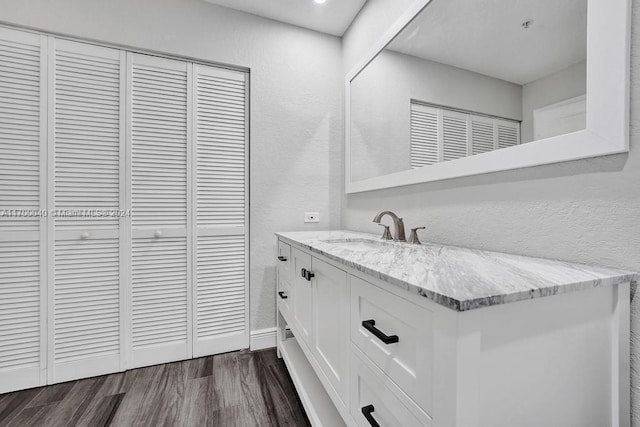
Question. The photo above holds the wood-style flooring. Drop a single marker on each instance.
(233, 389)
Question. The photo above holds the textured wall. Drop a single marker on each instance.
(296, 102)
(583, 211)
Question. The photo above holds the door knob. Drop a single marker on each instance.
(84, 235)
(157, 234)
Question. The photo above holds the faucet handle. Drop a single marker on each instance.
(386, 234)
(413, 237)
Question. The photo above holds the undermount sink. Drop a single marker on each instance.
(359, 244)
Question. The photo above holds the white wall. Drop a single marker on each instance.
(584, 211)
(296, 103)
(556, 87)
(381, 116)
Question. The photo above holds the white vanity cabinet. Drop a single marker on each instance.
(370, 348)
(316, 310)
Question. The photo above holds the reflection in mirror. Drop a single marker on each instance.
(466, 77)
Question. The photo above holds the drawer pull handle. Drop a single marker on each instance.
(282, 295)
(307, 274)
(366, 411)
(370, 325)
(282, 258)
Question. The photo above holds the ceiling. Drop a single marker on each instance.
(486, 36)
(332, 17)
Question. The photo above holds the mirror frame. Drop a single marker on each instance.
(607, 129)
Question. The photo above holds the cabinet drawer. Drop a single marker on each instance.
(372, 393)
(376, 313)
(283, 261)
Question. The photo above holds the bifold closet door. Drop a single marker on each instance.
(221, 131)
(158, 134)
(22, 195)
(123, 210)
(86, 149)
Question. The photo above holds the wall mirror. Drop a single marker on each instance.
(464, 87)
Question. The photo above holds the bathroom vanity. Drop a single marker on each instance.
(386, 333)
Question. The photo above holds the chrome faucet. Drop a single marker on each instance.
(398, 224)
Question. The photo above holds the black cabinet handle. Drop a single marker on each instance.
(282, 295)
(366, 411)
(282, 258)
(370, 325)
(306, 274)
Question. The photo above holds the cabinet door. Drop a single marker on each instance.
(85, 147)
(221, 321)
(22, 234)
(303, 301)
(330, 334)
(158, 131)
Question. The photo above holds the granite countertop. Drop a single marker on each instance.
(458, 278)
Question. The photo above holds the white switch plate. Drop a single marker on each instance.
(312, 217)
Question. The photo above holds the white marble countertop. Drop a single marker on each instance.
(458, 278)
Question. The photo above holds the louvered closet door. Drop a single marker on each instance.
(158, 131)
(22, 231)
(424, 135)
(86, 150)
(454, 135)
(221, 292)
(508, 133)
(483, 134)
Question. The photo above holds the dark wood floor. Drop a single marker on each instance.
(233, 389)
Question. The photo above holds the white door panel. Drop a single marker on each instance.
(85, 150)
(20, 322)
(22, 194)
(220, 134)
(159, 321)
(86, 330)
(158, 133)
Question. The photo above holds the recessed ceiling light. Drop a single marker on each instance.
(319, 1)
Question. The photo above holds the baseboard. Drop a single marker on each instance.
(263, 338)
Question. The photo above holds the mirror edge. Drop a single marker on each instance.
(608, 88)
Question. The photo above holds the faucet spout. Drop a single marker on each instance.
(398, 225)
